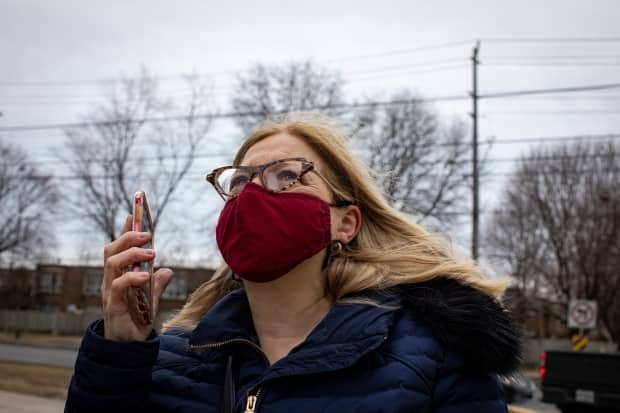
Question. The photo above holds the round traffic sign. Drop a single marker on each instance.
(582, 314)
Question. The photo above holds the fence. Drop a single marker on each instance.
(54, 322)
(46, 322)
(532, 348)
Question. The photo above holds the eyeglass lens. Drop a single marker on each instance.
(276, 177)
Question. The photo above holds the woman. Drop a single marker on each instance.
(331, 301)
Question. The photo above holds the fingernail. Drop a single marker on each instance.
(144, 235)
(149, 252)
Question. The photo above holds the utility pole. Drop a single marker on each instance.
(475, 194)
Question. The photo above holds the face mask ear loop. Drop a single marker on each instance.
(333, 249)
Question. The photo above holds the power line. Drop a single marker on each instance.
(551, 39)
(393, 72)
(333, 106)
(408, 66)
(570, 172)
(550, 90)
(225, 89)
(553, 112)
(102, 81)
(228, 115)
(550, 158)
(404, 51)
(411, 72)
(553, 57)
(543, 139)
(203, 175)
(232, 72)
(395, 68)
(85, 176)
(577, 97)
(485, 142)
(57, 98)
(216, 155)
(388, 71)
(558, 64)
(136, 159)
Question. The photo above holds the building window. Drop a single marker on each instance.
(91, 283)
(177, 289)
(48, 308)
(50, 283)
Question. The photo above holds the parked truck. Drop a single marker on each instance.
(581, 381)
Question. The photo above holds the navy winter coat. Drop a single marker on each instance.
(432, 347)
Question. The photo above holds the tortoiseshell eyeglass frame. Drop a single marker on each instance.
(306, 167)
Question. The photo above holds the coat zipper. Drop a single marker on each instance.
(232, 340)
(250, 405)
(223, 343)
(252, 399)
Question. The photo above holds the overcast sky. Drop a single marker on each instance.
(56, 53)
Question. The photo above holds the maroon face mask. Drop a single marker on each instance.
(263, 235)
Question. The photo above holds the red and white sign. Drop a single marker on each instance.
(582, 314)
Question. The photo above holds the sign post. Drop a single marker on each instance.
(582, 315)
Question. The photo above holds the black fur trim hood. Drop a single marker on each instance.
(467, 321)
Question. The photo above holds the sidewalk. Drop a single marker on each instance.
(20, 403)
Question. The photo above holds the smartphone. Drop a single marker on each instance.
(141, 298)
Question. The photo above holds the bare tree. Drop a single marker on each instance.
(422, 162)
(558, 227)
(28, 200)
(266, 90)
(125, 147)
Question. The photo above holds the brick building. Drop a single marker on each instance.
(77, 288)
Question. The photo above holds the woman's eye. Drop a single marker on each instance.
(238, 181)
(287, 175)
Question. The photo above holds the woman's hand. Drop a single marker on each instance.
(119, 255)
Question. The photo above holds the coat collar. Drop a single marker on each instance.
(346, 333)
(463, 319)
(228, 319)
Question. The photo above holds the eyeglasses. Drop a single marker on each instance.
(275, 176)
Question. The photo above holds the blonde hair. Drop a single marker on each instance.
(389, 249)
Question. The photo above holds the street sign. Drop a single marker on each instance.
(582, 314)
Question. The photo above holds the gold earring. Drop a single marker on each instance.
(336, 247)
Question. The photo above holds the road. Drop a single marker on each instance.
(21, 403)
(536, 405)
(58, 357)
